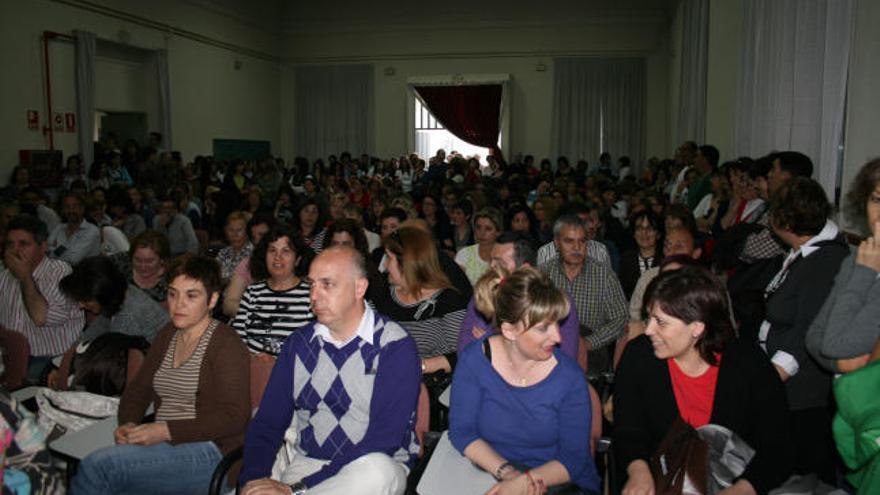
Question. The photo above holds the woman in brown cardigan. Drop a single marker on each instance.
(197, 376)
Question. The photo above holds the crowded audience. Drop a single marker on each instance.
(696, 293)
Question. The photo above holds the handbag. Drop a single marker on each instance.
(681, 464)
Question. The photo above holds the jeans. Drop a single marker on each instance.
(162, 469)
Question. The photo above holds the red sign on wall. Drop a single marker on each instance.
(33, 120)
(58, 121)
(70, 122)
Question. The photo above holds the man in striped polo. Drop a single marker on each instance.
(31, 302)
(338, 413)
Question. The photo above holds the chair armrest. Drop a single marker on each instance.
(222, 469)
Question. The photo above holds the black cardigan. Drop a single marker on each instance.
(749, 400)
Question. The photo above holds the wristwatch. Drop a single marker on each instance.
(298, 488)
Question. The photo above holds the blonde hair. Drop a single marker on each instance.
(237, 215)
(418, 259)
(526, 295)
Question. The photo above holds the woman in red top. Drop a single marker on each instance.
(690, 364)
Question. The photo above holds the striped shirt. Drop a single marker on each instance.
(64, 320)
(177, 387)
(433, 323)
(267, 317)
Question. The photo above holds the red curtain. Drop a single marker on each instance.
(471, 113)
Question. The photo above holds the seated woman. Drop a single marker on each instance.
(646, 228)
(119, 307)
(197, 376)
(278, 304)
(474, 259)
(517, 378)
(690, 364)
(144, 264)
(239, 246)
(800, 216)
(241, 276)
(421, 298)
(845, 330)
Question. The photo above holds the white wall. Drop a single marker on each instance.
(513, 48)
(210, 99)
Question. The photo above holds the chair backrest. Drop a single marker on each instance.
(423, 417)
(16, 352)
(135, 361)
(582, 354)
(596, 427)
(261, 368)
(204, 239)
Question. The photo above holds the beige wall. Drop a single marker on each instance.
(514, 50)
(210, 99)
(725, 26)
(863, 103)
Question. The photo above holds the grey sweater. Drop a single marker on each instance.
(848, 325)
(139, 316)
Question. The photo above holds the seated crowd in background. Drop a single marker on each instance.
(720, 294)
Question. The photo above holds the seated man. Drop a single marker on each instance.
(341, 401)
(76, 239)
(177, 227)
(31, 299)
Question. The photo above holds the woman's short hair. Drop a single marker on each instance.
(694, 294)
(202, 268)
(154, 240)
(800, 207)
(96, 279)
(237, 215)
(526, 295)
(259, 270)
(352, 228)
(418, 259)
(493, 215)
(863, 186)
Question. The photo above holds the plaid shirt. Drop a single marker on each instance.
(598, 298)
(762, 245)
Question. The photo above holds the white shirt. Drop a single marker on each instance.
(364, 330)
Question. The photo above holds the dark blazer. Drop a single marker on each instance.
(749, 400)
(791, 310)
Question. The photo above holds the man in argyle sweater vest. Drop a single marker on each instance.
(338, 413)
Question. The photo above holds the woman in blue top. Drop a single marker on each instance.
(518, 378)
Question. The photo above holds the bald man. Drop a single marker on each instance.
(338, 412)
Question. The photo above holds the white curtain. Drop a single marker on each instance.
(598, 106)
(694, 63)
(334, 110)
(161, 59)
(791, 90)
(85, 95)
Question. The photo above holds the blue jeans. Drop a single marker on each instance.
(162, 469)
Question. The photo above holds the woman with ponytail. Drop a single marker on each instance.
(519, 377)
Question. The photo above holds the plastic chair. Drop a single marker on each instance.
(16, 353)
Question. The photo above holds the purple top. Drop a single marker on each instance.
(569, 329)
